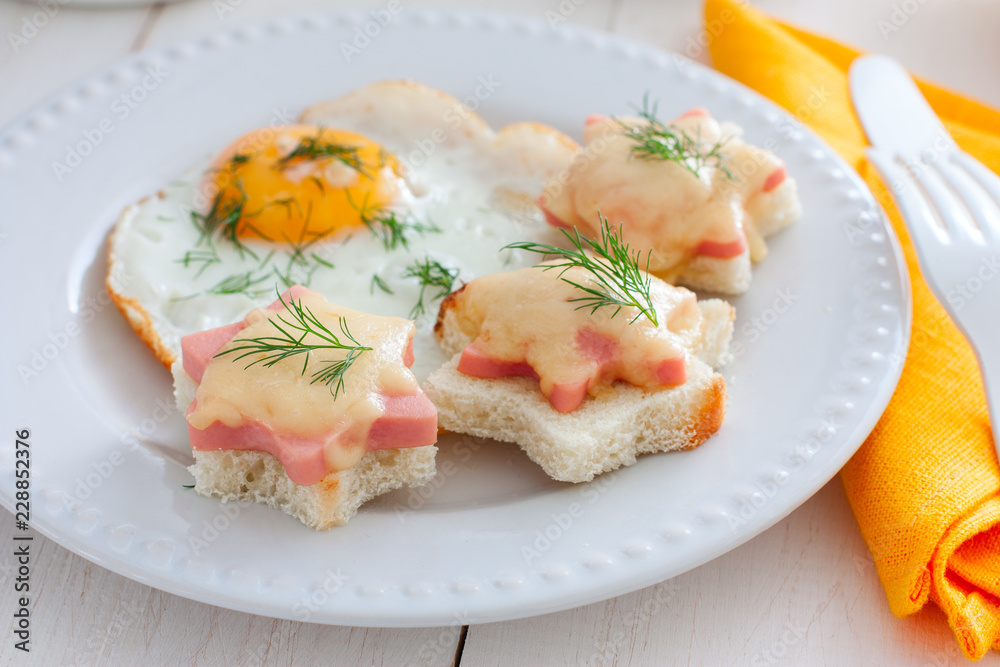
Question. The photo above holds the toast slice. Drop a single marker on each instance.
(705, 225)
(609, 430)
(259, 477)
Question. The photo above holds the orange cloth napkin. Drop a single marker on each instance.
(925, 485)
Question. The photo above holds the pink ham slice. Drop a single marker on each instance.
(775, 178)
(478, 364)
(601, 354)
(406, 421)
(694, 112)
(722, 250)
(564, 397)
(197, 349)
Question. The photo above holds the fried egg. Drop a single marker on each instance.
(301, 181)
(383, 200)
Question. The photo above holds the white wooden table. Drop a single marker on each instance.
(804, 592)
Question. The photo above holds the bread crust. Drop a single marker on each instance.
(449, 304)
(712, 414)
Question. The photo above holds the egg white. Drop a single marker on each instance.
(475, 185)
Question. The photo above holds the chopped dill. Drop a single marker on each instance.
(393, 230)
(378, 282)
(319, 260)
(298, 262)
(390, 228)
(203, 257)
(314, 148)
(266, 259)
(223, 217)
(288, 202)
(298, 269)
(430, 273)
(241, 283)
(295, 275)
(228, 215)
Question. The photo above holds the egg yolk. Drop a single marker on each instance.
(300, 182)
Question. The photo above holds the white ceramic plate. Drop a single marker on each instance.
(819, 342)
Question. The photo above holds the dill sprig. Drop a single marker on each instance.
(203, 257)
(430, 273)
(320, 260)
(391, 229)
(238, 283)
(223, 217)
(619, 279)
(291, 267)
(292, 342)
(298, 257)
(655, 140)
(314, 148)
(241, 283)
(290, 204)
(379, 282)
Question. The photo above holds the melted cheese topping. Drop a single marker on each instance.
(661, 204)
(282, 396)
(530, 316)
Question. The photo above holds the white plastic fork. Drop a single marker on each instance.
(950, 202)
